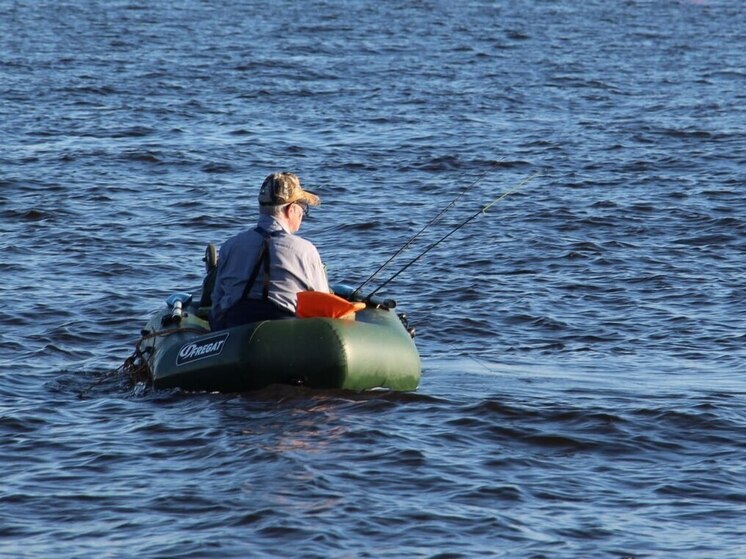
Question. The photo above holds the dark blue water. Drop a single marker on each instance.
(583, 389)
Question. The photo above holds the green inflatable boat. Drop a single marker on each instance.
(375, 350)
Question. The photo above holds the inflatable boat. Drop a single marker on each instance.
(373, 349)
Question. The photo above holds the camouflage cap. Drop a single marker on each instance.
(284, 188)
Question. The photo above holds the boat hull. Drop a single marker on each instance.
(373, 351)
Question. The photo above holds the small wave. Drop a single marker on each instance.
(605, 204)
(142, 156)
(727, 73)
(686, 133)
(562, 442)
(217, 168)
(706, 240)
(358, 226)
(28, 215)
(443, 163)
(490, 494)
(133, 132)
(91, 90)
(515, 35)
(544, 321)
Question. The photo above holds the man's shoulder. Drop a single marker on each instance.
(300, 245)
(239, 239)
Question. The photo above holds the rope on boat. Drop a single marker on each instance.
(138, 366)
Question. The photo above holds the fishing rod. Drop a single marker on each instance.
(482, 210)
(429, 223)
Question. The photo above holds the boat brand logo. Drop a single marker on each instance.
(208, 347)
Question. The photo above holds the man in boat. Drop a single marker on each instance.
(261, 270)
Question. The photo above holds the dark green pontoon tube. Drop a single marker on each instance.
(373, 351)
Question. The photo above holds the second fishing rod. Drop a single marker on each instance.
(482, 210)
(427, 225)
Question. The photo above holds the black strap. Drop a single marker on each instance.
(261, 261)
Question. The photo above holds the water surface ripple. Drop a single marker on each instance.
(583, 388)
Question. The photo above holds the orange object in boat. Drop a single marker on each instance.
(319, 304)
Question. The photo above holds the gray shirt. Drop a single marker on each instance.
(295, 265)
